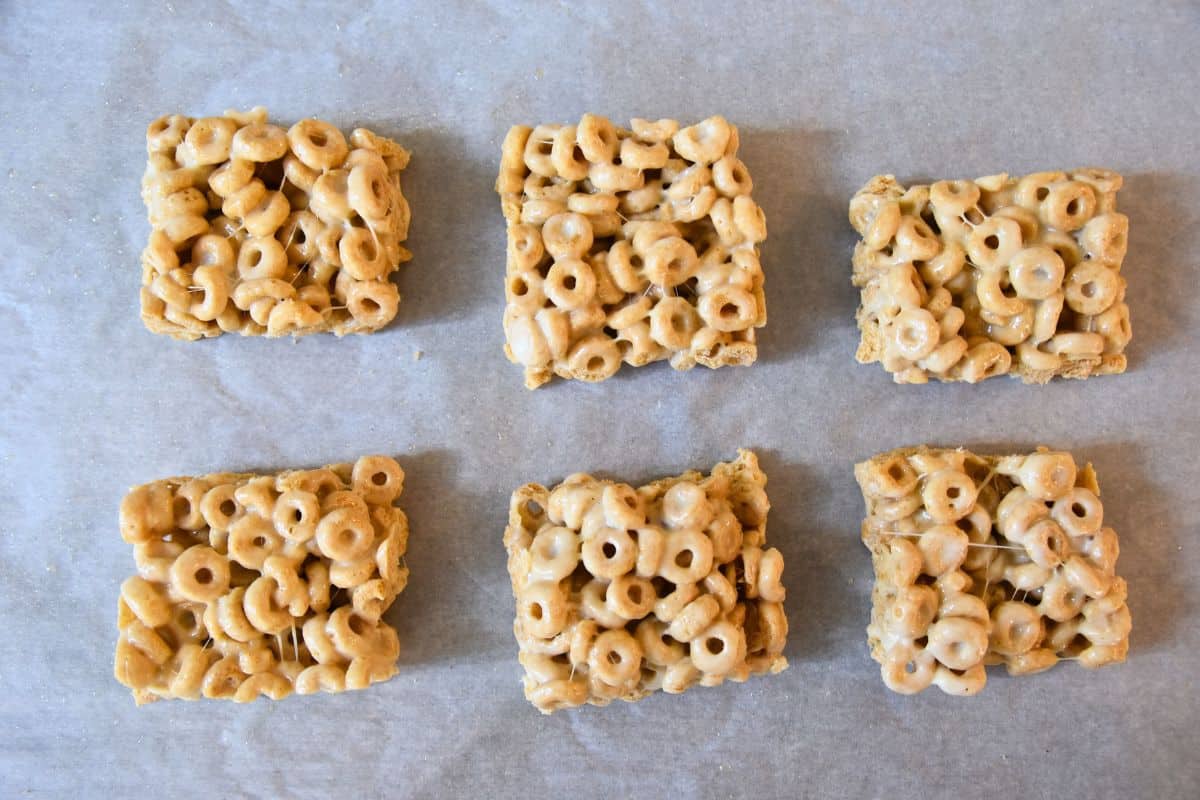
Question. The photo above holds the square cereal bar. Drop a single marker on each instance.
(983, 560)
(259, 230)
(965, 280)
(253, 585)
(629, 245)
(621, 592)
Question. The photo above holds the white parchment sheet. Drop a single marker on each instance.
(826, 95)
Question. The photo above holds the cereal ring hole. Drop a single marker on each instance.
(634, 594)
(569, 283)
(379, 478)
(181, 507)
(614, 657)
(228, 507)
(910, 667)
(357, 624)
(535, 611)
(519, 287)
(370, 306)
(991, 242)
(1073, 207)
(895, 471)
(203, 576)
(728, 311)
(595, 363)
(609, 549)
(1042, 193)
(714, 645)
(533, 507)
(318, 139)
(974, 216)
(1088, 289)
(683, 559)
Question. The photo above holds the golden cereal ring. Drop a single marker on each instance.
(200, 574)
(1091, 288)
(704, 142)
(1067, 205)
(259, 142)
(373, 304)
(615, 658)
(609, 553)
(630, 597)
(321, 678)
(594, 358)
(166, 133)
(208, 141)
(319, 145)
(567, 236)
(597, 139)
(345, 534)
(657, 647)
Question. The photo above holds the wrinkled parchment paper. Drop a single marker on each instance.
(826, 96)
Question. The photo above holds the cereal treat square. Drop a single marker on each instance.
(621, 592)
(259, 230)
(253, 585)
(965, 280)
(629, 246)
(983, 560)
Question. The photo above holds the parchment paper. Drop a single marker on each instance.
(826, 96)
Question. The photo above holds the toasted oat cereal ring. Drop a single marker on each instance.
(943, 549)
(704, 142)
(372, 303)
(220, 506)
(542, 610)
(1106, 237)
(1034, 188)
(261, 257)
(368, 191)
(1036, 272)
(525, 248)
(957, 642)
(567, 236)
(1047, 476)
(949, 495)
(208, 141)
(657, 131)
(291, 316)
(597, 139)
(993, 243)
(379, 479)
(616, 177)
(1046, 544)
(657, 647)
(615, 658)
(319, 145)
(330, 197)
(259, 142)
(687, 557)
(362, 257)
(345, 534)
(145, 601)
(570, 283)
(593, 605)
(893, 478)
(609, 553)
(630, 597)
(558, 695)
(212, 279)
(1016, 629)
(200, 574)
(321, 678)
(351, 635)
(626, 267)
(686, 505)
(770, 575)
(908, 669)
(915, 333)
(1091, 288)
(1114, 326)
(295, 515)
(566, 156)
(622, 507)
(537, 149)
(912, 610)
(668, 606)
(694, 618)
(222, 679)
(651, 544)
(1078, 511)
(251, 540)
(728, 309)
(1067, 205)
(673, 322)
(166, 133)
(719, 649)
(554, 554)
(594, 358)
(644, 155)
(749, 219)
(731, 177)
(954, 197)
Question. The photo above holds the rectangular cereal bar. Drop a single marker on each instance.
(621, 592)
(629, 246)
(983, 560)
(259, 230)
(251, 585)
(966, 280)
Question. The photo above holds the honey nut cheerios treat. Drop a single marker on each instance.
(269, 231)
(629, 245)
(966, 280)
(983, 560)
(262, 585)
(621, 592)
